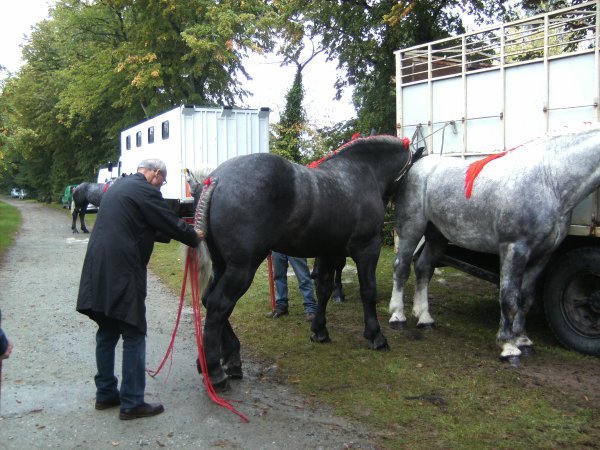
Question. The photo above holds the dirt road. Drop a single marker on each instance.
(47, 384)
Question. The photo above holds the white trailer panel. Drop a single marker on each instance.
(193, 137)
(493, 89)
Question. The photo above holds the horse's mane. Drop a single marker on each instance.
(352, 143)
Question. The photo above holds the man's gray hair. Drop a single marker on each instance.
(153, 164)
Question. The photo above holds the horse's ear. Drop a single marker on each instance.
(190, 177)
(418, 153)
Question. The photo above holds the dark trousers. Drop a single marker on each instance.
(133, 374)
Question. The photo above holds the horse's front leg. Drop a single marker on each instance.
(366, 264)
(513, 259)
(434, 248)
(409, 236)
(74, 215)
(338, 290)
(324, 269)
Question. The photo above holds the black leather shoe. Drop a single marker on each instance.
(108, 404)
(144, 410)
(277, 312)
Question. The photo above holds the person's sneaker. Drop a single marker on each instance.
(143, 410)
(107, 404)
(277, 312)
(310, 316)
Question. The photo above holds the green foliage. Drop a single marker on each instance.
(10, 221)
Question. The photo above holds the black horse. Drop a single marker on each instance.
(83, 195)
(256, 203)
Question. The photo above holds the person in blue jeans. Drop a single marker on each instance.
(305, 285)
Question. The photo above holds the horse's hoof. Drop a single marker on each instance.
(398, 325)
(379, 343)
(75, 232)
(234, 372)
(527, 350)
(320, 338)
(85, 231)
(338, 299)
(513, 360)
(221, 386)
(426, 326)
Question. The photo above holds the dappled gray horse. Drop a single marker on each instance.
(518, 206)
(83, 195)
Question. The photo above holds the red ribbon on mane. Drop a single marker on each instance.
(475, 168)
(315, 164)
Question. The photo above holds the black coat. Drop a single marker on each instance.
(113, 278)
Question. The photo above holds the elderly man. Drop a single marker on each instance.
(112, 289)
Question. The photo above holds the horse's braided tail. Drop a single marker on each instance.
(201, 224)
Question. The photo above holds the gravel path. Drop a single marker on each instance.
(47, 384)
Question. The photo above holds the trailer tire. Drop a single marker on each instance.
(572, 299)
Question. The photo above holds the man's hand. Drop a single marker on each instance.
(7, 352)
(200, 234)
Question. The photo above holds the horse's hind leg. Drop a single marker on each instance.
(230, 350)
(514, 258)
(527, 298)
(435, 246)
(219, 337)
(324, 270)
(82, 218)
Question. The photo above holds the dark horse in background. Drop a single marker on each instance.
(83, 195)
(253, 204)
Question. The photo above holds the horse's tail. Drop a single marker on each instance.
(201, 224)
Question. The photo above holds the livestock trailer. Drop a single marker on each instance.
(490, 90)
(191, 137)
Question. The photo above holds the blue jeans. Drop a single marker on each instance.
(133, 383)
(280, 266)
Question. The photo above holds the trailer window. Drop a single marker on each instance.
(165, 129)
(138, 139)
(150, 135)
(128, 142)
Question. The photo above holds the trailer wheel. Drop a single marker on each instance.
(572, 299)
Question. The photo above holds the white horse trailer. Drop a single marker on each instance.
(493, 89)
(190, 137)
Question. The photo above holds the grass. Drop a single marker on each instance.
(443, 388)
(10, 221)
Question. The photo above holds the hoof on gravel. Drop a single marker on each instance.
(75, 231)
(221, 386)
(513, 360)
(527, 350)
(234, 372)
(398, 325)
(426, 326)
(322, 338)
(85, 231)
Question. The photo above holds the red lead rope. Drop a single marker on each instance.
(191, 267)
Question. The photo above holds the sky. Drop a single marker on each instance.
(269, 85)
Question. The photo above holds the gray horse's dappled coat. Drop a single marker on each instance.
(113, 279)
(520, 208)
